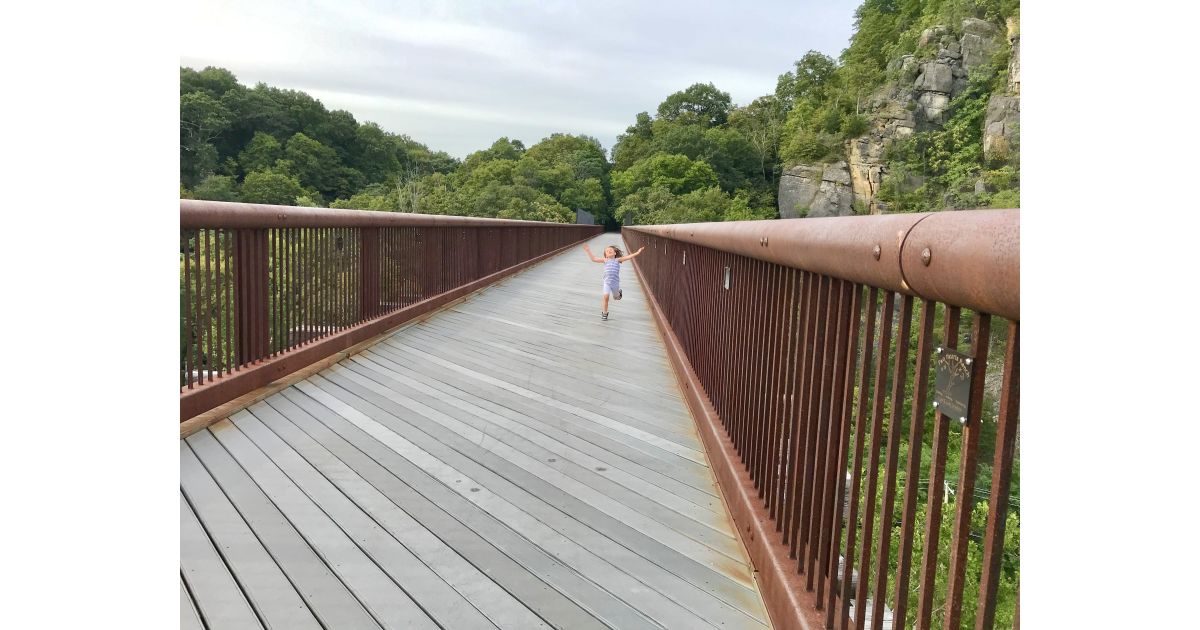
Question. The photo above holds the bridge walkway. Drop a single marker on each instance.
(511, 462)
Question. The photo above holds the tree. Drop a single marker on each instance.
(377, 152)
(313, 163)
(201, 118)
(214, 82)
(810, 80)
(761, 122)
(271, 187)
(217, 188)
(675, 173)
(261, 153)
(702, 103)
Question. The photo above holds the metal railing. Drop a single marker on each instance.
(267, 290)
(815, 352)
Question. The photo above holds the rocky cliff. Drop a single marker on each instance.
(916, 100)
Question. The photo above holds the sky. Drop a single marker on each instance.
(458, 75)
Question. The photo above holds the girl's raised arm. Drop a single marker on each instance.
(634, 254)
(591, 255)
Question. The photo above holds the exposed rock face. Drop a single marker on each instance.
(1000, 126)
(1014, 60)
(917, 101)
(815, 190)
(978, 43)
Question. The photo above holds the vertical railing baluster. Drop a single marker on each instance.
(937, 476)
(895, 434)
(818, 376)
(1002, 463)
(912, 473)
(842, 414)
(799, 420)
(860, 438)
(964, 496)
(885, 345)
(187, 310)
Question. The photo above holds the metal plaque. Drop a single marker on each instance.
(952, 387)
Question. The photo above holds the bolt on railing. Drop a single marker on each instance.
(813, 346)
(267, 290)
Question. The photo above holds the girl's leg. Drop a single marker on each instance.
(604, 303)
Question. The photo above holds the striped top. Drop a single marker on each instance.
(612, 271)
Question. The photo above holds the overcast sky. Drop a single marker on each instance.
(458, 75)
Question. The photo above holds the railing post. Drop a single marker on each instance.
(368, 270)
(250, 269)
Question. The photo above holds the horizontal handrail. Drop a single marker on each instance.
(266, 291)
(196, 213)
(968, 258)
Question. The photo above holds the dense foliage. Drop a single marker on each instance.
(271, 145)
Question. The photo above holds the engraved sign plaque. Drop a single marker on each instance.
(952, 387)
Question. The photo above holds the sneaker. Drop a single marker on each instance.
(604, 316)
(618, 295)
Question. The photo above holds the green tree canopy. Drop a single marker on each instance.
(261, 153)
(701, 103)
(271, 187)
(676, 173)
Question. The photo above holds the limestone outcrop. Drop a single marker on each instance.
(816, 190)
(918, 101)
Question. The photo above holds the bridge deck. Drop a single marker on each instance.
(512, 462)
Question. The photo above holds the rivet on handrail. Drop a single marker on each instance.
(926, 256)
(877, 252)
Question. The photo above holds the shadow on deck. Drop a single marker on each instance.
(511, 462)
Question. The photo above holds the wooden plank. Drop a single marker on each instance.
(388, 603)
(571, 390)
(441, 516)
(628, 446)
(548, 348)
(475, 587)
(643, 391)
(589, 478)
(436, 598)
(189, 617)
(380, 444)
(640, 555)
(266, 587)
(648, 482)
(565, 427)
(645, 435)
(574, 552)
(216, 593)
(332, 603)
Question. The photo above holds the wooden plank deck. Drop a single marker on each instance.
(511, 462)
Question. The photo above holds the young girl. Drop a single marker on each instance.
(612, 273)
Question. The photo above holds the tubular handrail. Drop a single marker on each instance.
(973, 258)
(196, 213)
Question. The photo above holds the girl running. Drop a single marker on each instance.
(612, 273)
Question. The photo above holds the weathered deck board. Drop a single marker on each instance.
(261, 579)
(512, 462)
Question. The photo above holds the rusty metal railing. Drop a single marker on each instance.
(267, 290)
(874, 485)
